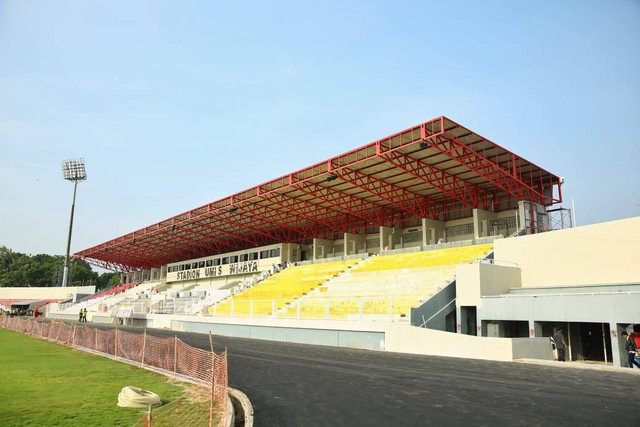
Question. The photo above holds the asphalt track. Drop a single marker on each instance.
(304, 385)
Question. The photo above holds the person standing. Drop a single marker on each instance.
(84, 315)
(561, 344)
(80, 316)
(631, 348)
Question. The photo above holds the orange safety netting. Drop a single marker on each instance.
(166, 354)
(160, 353)
(129, 346)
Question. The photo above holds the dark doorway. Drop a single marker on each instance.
(469, 316)
(303, 255)
(589, 341)
(505, 328)
(516, 329)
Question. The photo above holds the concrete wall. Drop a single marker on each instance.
(369, 340)
(45, 293)
(450, 237)
(613, 307)
(431, 231)
(405, 339)
(322, 248)
(371, 335)
(532, 348)
(435, 310)
(353, 242)
(593, 254)
(476, 280)
(482, 223)
(616, 309)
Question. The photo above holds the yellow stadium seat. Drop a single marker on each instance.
(400, 281)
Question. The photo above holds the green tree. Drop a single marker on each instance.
(12, 268)
(80, 274)
(108, 279)
(43, 270)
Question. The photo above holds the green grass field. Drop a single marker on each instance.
(48, 384)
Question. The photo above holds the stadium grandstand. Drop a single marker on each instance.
(426, 241)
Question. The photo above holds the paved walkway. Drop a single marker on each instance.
(303, 385)
(598, 366)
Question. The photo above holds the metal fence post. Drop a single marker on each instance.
(144, 345)
(213, 379)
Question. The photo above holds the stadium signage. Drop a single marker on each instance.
(244, 267)
(237, 268)
(188, 275)
(213, 271)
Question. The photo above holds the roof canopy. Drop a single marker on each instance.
(437, 169)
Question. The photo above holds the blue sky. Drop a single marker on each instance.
(176, 104)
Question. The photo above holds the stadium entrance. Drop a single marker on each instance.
(587, 341)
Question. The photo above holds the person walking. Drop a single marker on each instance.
(561, 345)
(630, 346)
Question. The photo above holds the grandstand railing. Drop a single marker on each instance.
(499, 262)
(519, 232)
(561, 294)
(333, 259)
(447, 245)
(392, 307)
(169, 356)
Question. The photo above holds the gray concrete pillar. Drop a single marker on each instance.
(425, 238)
(322, 248)
(351, 241)
(481, 322)
(523, 215)
(481, 223)
(386, 238)
(348, 242)
(397, 237)
(618, 353)
(535, 329)
(431, 228)
(476, 224)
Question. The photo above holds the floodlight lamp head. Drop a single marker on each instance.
(73, 170)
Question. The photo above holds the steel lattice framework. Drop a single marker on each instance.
(437, 169)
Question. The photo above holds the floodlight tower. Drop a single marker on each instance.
(72, 170)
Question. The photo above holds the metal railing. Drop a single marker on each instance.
(393, 307)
